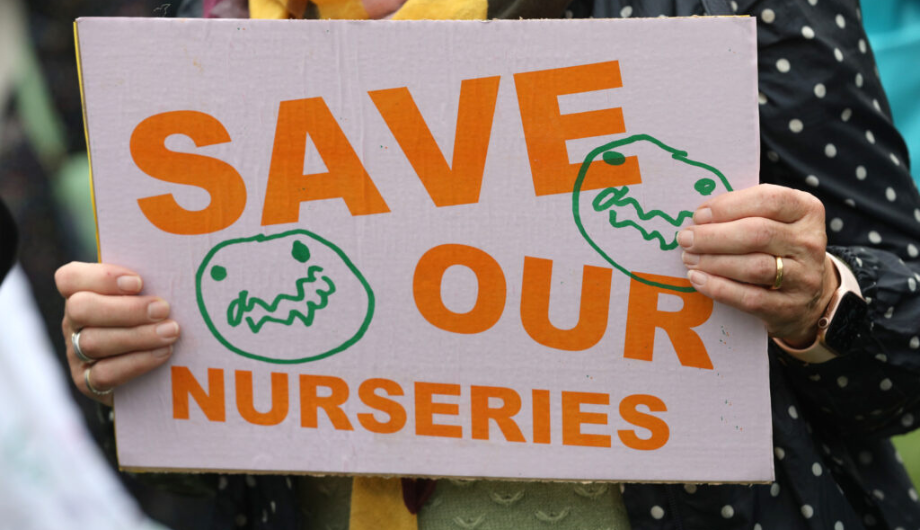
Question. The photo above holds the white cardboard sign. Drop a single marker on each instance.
(430, 248)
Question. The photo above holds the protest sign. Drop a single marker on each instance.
(430, 248)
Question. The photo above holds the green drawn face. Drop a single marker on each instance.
(644, 218)
(288, 298)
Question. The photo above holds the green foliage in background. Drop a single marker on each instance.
(909, 448)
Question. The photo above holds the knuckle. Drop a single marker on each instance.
(706, 263)
(715, 291)
(765, 268)
(810, 204)
(77, 307)
(63, 277)
(809, 243)
(89, 343)
(767, 192)
(814, 247)
(720, 292)
(751, 300)
(762, 233)
(109, 273)
(813, 204)
(773, 199)
(101, 378)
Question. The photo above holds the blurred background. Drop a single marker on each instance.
(52, 475)
(44, 180)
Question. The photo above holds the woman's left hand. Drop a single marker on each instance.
(731, 256)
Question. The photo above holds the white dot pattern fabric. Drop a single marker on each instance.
(826, 128)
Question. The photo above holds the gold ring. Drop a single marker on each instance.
(778, 281)
(89, 386)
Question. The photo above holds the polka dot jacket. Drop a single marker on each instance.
(826, 128)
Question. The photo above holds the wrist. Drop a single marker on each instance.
(837, 327)
(831, 282)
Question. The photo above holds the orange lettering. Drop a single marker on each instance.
(245, 402)
(490, 298)
(644, 317)
(425, 409)
(541, 425)
(218, 178)
(311, 402)
(395, 411)
(446, 185)
(288, 186)
(211, 402)
(503, 416)
(546, 129)
(657, 426)
(592, 316)
(573, 418)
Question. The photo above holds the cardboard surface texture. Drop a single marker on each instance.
(430, 248)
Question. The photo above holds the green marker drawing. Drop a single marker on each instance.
(624, 211)
(287, 298)
(244, 304)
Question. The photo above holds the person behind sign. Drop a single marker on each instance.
(825, 252)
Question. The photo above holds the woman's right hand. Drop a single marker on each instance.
(125, 333)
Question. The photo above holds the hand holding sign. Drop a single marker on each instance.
(127, 335)
(731, 256)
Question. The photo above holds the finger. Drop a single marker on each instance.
(786, 315)
(116, 371)
(751, 299)
(758, 269)
(88, 309)
(100, 278)
(779, 203)
(99, 343)
(742, 236)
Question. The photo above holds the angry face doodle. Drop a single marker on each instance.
(645, 216)
(287, 298)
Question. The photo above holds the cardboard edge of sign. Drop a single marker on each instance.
(89, 156)
(186, 470)
(625, 480)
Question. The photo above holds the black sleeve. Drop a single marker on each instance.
(826, 128)
(8, 241)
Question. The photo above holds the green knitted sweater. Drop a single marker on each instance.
(481, 505)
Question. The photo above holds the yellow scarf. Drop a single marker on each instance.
(375, 502)
(355, 9)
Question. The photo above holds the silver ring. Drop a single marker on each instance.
(89, 386)
(75, 340)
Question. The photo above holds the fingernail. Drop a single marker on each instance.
(158, 310)
(168, 330)
(685, 238)
(689, 259)
(129, 284)
(697, 278)
(702, 216)
(162, 352)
